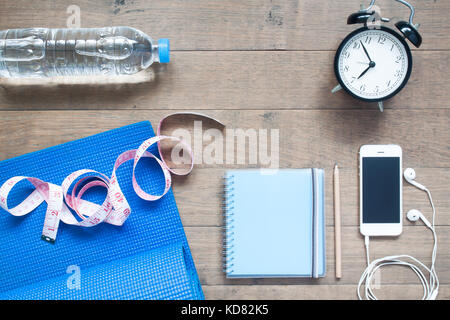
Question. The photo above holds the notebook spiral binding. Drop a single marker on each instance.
(228, 223)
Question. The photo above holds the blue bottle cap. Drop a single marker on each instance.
(164, 50)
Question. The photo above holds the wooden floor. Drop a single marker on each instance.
(258, 64)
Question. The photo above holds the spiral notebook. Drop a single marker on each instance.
(275, 225)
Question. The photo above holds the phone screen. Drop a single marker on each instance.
(381, 189)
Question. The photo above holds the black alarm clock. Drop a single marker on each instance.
(374, 63)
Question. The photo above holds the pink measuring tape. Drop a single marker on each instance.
(115, 209)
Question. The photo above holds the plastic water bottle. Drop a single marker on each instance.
(41, 52)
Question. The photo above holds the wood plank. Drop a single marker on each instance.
(309, 138)
(228, 80)
(314, 292)
(197, 209)
(206, 247)
(36, 130)
(228, 24)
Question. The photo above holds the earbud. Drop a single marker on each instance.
(414, 215)
(410, 175)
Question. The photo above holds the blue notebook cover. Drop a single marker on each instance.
(275, 224)
(146, 258)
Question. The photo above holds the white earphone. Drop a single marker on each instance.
(431, 283)
(413, 215)
(410, 175)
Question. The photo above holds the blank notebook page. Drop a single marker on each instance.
(270, 223)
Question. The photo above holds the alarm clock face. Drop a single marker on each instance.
(373, 64)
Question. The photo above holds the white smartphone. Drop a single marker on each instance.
(380, 184)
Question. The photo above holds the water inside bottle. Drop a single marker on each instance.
(40, 52)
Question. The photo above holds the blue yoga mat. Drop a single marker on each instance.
(146, 258)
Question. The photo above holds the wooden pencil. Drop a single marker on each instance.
(337, 223)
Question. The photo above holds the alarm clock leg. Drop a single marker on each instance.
(336, 89)
(381, 106)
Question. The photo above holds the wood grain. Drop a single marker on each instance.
(415, 240)
(230, 24)
(315, 292)
(198, 210)
(309, 138)
(229, 80)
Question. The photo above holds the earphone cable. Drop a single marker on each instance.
(430, 285)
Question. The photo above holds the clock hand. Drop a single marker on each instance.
(365, 50)
(371, 65)
(364, 72)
